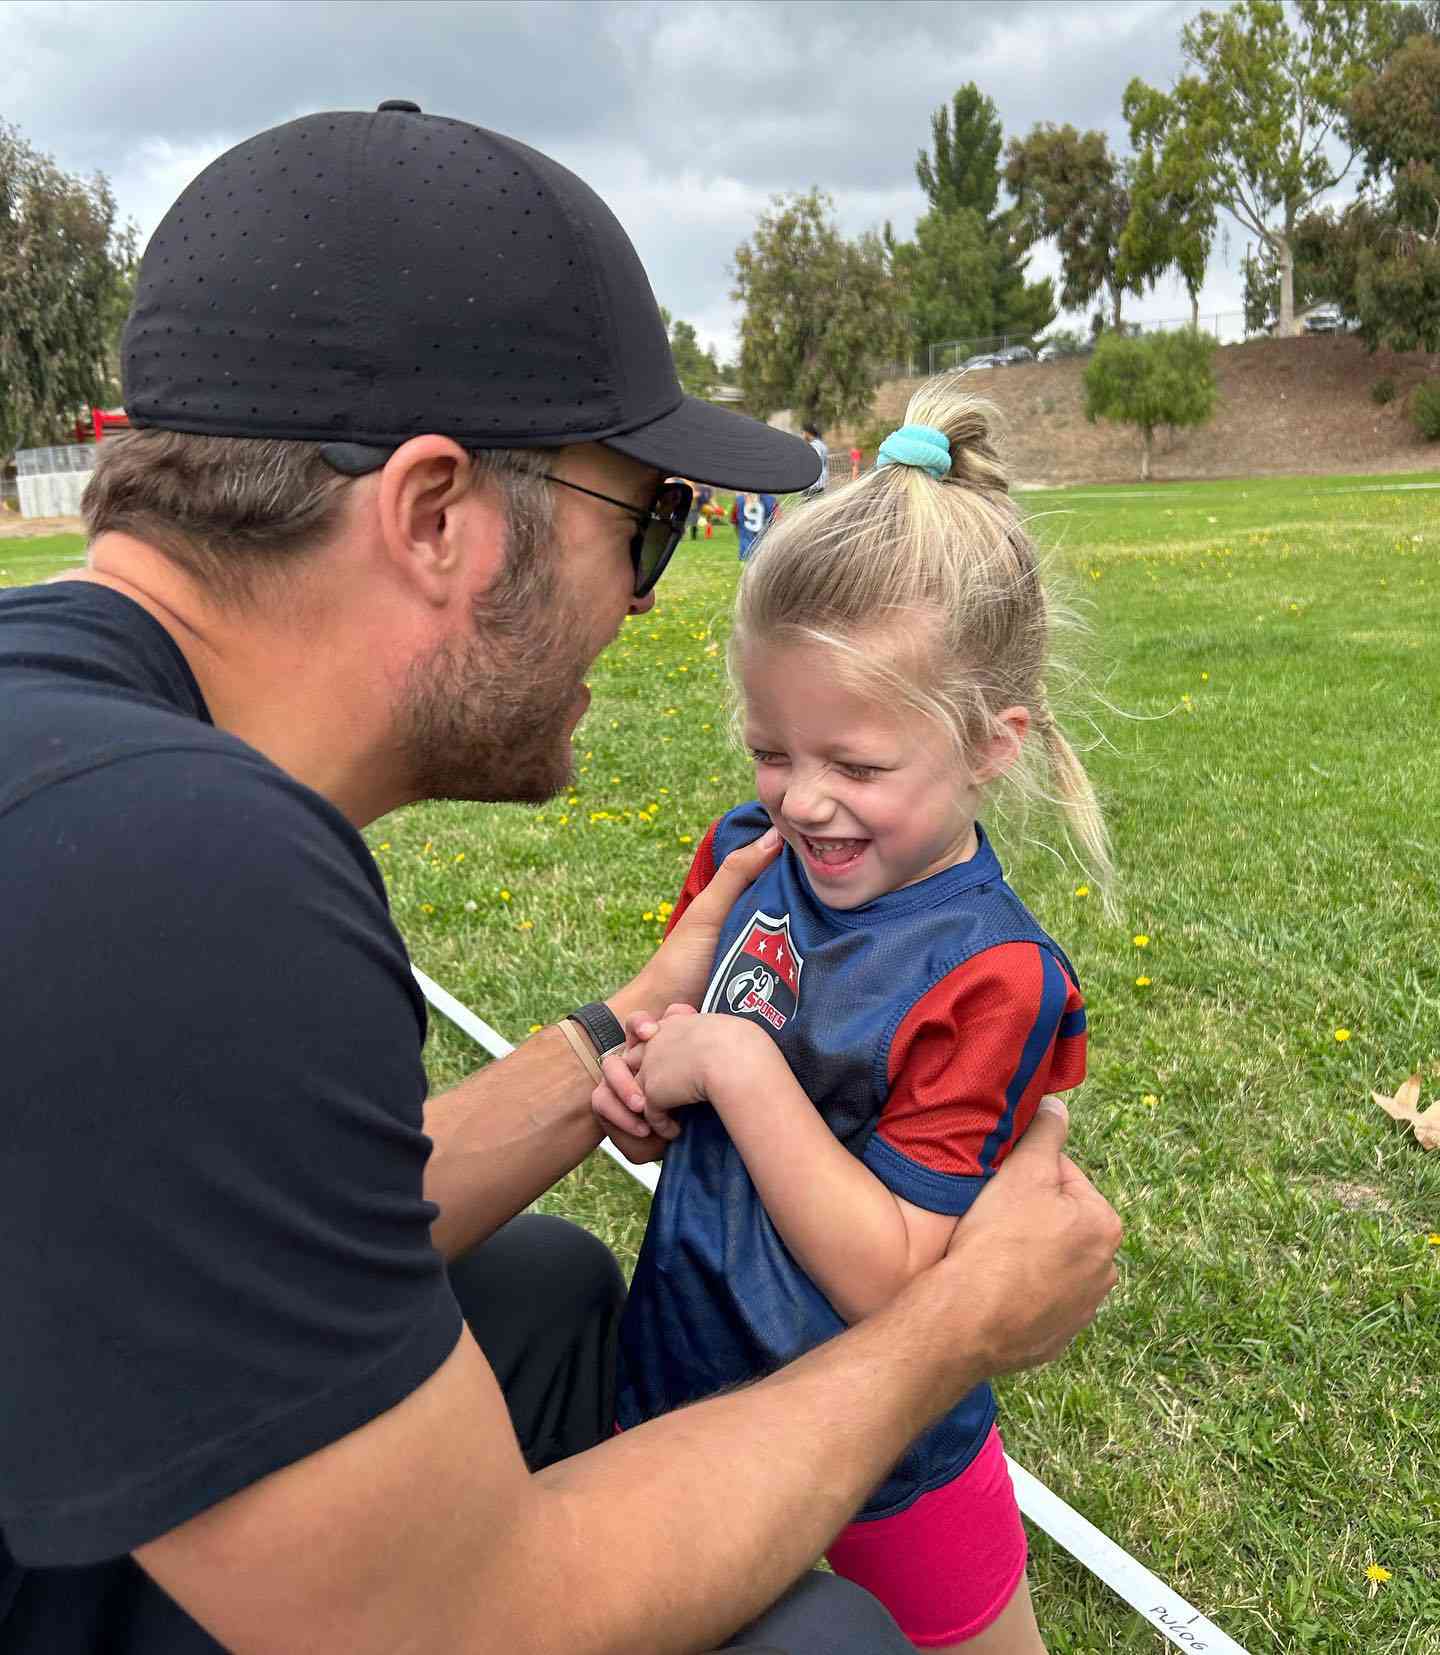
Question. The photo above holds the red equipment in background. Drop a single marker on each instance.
(102, 421)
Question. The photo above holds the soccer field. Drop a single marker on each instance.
(1252, 1415)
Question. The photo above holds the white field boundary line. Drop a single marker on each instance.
(1149, 1596)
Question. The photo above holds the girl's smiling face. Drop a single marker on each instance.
(870, 796)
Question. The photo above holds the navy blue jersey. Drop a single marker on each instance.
(925, 1027)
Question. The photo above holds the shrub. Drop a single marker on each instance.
(1165, 379)
(1383, 390)
(1425, 410)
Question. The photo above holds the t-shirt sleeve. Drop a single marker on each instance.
(217, 1250)
(967, 1068)
(702, 871)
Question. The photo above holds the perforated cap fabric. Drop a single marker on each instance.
(366, 277)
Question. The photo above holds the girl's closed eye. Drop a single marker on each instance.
(861, 772)
(761, 755)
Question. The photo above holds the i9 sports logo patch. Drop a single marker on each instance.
(760, 976)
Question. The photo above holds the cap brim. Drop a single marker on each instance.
(713, 445)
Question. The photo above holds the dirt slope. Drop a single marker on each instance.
(1286, 406)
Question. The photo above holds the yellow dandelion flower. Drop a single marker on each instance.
(714, 778)
(704, 726)
(504, 896)
(535, 1028)
(666, 909)
(1373, 1571)
(1150, 1100)
(687, 839)
(1342, 1034)
(572, 800)
(460, 857)
(664, 790)
(1082, 890)
(427, 907)
(647, 915)
(1204, 677)
(386, 845)
(562, 821)
(1433, 1238)
(1142, 982)
(1141, 940)
(614, 781)
(526, 925)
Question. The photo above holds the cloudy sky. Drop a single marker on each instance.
(687, 116)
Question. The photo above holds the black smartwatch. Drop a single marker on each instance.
(602, 1026)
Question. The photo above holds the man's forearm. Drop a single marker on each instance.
(675, 1534)
(503, 1137)
(508, 1133)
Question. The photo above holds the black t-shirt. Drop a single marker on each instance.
(214, 1249)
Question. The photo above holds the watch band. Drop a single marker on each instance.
(601, 1025)
(578, 1044)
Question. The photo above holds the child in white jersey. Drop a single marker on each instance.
(884, 1014)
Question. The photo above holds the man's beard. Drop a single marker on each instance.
(488, 719)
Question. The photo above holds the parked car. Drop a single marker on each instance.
(1013, 355)
(986, 359)
(1324, 319)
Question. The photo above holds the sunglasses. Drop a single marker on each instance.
(660, 527)
(658, 532)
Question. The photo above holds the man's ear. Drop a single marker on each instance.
(445, 537)
(1000, 751)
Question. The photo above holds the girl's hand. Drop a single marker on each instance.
(679, 1060)
(618, 1102)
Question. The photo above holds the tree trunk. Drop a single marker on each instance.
(1115, 303)
(1147, 439)
(1286, 255)
(1195, 312)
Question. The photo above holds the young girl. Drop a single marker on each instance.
(884, 1015)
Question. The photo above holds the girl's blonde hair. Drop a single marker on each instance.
(929, 594)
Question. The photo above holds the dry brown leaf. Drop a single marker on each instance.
(1424, 1122)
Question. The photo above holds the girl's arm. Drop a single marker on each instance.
(856, 1240)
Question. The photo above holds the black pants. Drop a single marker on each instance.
(543, 1299)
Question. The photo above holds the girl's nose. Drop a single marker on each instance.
(807, 801)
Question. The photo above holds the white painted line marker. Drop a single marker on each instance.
(498, 1046)
(1153, 1600)
(1146, 1593)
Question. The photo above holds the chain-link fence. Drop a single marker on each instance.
(940, 356)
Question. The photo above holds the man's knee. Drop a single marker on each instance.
(823, 1615)
(546, 1264)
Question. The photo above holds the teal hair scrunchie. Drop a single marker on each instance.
(918, 445)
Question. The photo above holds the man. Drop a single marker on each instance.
(817, 442)
(404, 415)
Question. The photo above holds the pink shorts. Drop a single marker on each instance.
(948, 1564)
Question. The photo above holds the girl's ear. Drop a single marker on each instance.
(1003, 747)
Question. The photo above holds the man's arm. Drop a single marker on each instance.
(423, 1530)
(507, 1134)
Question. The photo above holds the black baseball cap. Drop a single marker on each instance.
(365, 277)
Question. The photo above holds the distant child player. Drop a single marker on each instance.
(884, 1014)
(752, 515)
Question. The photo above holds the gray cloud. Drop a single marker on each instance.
(685, 116)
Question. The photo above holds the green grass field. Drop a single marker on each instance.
(1253, 1414)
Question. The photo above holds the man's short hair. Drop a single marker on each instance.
(238, 514)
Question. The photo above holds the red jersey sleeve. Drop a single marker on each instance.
(967, 1068)
(702, 871)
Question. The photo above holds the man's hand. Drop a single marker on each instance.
(1036, 1253)
(680, 967)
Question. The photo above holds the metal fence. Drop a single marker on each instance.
(944, 355)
